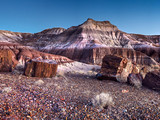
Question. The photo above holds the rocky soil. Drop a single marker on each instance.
(68, 96)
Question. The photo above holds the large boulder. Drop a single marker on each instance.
(41, 68)
(115, 68)
(7, 60)
(152, 80)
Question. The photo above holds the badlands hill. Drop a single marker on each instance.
(90, 42)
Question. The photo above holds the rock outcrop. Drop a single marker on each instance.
(16, 55)
(152, 80)
(41, 68)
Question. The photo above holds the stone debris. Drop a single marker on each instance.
(125, 91)
(6, 89)
(39, 82)
(30, 101)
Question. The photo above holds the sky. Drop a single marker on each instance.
(131, 16)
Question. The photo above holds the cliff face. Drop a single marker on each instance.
(131, 54)
(95, 55)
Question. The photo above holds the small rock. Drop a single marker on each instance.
(19, 77)
(99, 76)
(2, 85)
(135, 80)
(7, 89)
(56, 108)
(63, 110)
(124, 110)
(125, 91)
(39, 82)
(17, 72)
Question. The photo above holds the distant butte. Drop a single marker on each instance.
(89, 42)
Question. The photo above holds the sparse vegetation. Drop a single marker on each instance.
(103, 100)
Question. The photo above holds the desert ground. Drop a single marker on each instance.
(69, 96)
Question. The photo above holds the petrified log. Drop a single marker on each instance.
(152, 80)
(41, 68)
(7, 61)
(115, 68)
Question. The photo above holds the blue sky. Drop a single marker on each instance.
(132, 16)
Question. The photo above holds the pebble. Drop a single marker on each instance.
(39, 82)
(6, 89)
(2, 85)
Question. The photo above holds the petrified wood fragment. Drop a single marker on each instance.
(7, 60)
(152, 80)
(41, 68)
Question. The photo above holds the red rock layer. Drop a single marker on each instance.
(19, 54)
(153, 52)
(95, 55)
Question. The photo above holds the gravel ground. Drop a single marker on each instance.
(69, 97)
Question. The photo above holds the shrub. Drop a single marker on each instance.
(103, 100)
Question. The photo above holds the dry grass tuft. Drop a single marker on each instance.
(103, 100)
